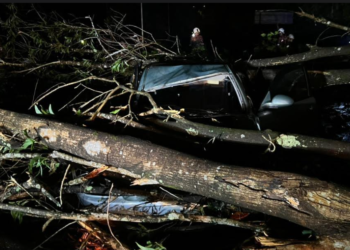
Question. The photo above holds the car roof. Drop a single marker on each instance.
(160, 76)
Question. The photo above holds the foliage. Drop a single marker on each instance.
(29, 142)
(17, 216)
(86, 48)
(56, 50)
(43, 111)
(41, 162)
(270, 40)
(119, 66)
(151, 246)
(114, 112)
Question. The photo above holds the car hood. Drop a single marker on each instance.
(160, 77)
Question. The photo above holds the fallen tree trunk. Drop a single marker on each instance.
(259, 138)
(318, 205)
(327, 78)
(239, 136)
(318, 78)
(323, 243)
(314, 53)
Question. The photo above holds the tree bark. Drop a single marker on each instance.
(314, 53)
(323, 21)
(324, 243)
(318, 78)
(312, 203)
(258, 138)
(331, 77)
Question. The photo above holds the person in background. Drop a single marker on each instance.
(196, 39)
(290, 40)
(197, 44)
(282, 40)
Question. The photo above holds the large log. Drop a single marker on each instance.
(315, 204)
(314, 53)
(318, 78)
(258, 138)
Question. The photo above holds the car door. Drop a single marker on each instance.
(288, 105)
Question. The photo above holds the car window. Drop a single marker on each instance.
(292, 84)
(218, 97)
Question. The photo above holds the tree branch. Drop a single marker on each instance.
(314, 53)
(33, 212)
(323, 21)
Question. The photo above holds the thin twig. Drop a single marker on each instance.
(36, 85)
(321, 35)
(36, 68)
(71, 100)
(212, 47)
(25, 190)
(69, 84)
(70, 223)
(170, 193)
(96, 97)
(109, 226)
(64, 177)
(216, 50)
(19, 156)
(104, 103)
(97, 36)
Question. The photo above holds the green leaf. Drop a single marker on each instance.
(144, 248)
(43, 110)
(28, 142)
(263, 34)
(88, 188)
(37, 111)
(306, 232)
(78, 113)
(115, 112)
(50, 110)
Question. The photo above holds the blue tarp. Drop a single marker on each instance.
(133, 203)
(159, 77)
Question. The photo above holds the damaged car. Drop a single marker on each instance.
(215, 94)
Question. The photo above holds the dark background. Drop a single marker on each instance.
(230, 26)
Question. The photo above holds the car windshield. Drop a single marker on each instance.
(161, 77)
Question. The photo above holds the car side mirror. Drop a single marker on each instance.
(279, 101)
